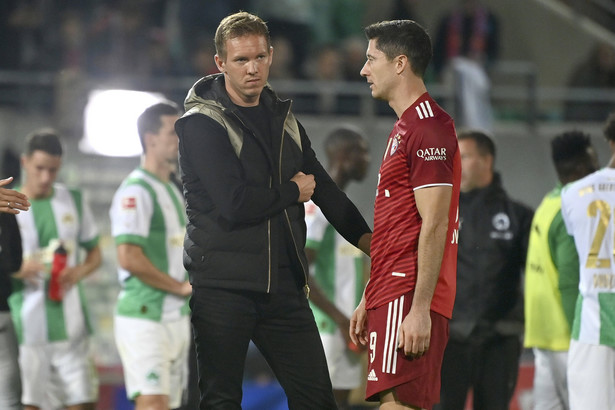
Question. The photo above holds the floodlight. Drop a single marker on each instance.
(110, 121)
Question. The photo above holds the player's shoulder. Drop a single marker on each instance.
(313, 211)
(573, 187)
(134, 184)
(425, 110)
(426, 118)
(581, 188)
(64, 192)
(60, 188)
(137, 179)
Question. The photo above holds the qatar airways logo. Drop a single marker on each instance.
(432, 154)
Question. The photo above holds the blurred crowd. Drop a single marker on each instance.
(312, 39)
(106, 38)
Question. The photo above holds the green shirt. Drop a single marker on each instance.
(149, 213)
(551, 278)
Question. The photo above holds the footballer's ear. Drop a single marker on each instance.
(401, 63)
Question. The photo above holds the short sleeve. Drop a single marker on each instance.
(566, 211)
(316, 225)
(430, 155)
(131, 212)
(88, 236)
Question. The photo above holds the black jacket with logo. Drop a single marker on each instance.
(238, 191)
(493, 237)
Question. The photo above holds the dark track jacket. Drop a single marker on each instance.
(493, 237)
(10, 255)
(237, 187)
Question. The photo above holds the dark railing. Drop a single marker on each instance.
(514, 89)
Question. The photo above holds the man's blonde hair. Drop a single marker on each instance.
(238, 25)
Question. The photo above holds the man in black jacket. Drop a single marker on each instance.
(11, 203)
(247, 167)
(485, 332)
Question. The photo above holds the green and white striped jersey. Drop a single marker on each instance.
(150, 213)
(588, 209)
(338, 268)
(63, 217)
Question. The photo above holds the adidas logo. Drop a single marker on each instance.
(424, 110)
(371, 377)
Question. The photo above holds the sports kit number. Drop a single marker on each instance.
(372, 346)
(602, 210)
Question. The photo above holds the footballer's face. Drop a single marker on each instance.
(41, 170)
(379, 72)
(163, 145)
(356, 161)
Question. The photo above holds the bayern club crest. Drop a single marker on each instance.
(395, 143)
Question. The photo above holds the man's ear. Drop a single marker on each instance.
(402, 63)
(148, 140)
(219, 63)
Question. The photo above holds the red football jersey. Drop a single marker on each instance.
(422, 151)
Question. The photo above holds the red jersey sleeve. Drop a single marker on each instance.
(430, 153)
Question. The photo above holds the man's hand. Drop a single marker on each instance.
(70, 276)
(30, 271)
(365, 243)
(306, 184)
(415, 333)
(358, 325)
(185, 289)
(11, 201)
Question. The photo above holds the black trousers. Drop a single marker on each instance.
(281, 325)
(489, 367)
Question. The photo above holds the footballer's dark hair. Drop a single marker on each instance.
(150, 119)
(46, 140)
(571, 152)
(343, 137)
(403, 37)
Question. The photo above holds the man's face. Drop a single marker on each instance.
(357, 160)
(475, 167)
(379, 72)
(164, 144)
(41, 171)
(245, 68)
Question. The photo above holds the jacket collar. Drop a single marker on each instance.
(492, 190)
(211, 90)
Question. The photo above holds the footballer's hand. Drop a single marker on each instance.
(358, 325)
(415, 333)
(185, 289)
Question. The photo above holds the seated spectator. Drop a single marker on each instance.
(597, 71)
(326, 64)
(293, 19)
(353, 58)
(283, 69)
(202, 60)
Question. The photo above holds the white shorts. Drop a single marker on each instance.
(591, 376)
(344, 365)
(58, 372)
(550, 385)
(154, 356)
